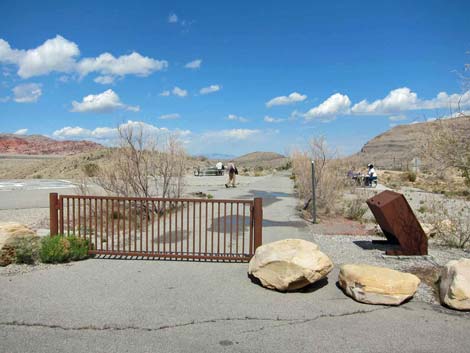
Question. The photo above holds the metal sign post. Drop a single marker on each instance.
(314, 202)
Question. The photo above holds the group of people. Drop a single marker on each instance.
(232, 172)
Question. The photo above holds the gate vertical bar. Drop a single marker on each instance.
(53, 214)
(258, 222)
(61, 218)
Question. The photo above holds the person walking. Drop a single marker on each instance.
(232, 172)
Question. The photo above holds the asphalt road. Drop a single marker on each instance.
(31, 193)
(108, 305)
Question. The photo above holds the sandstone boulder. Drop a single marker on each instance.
(9, 233)
(377, 285)
(455, 284)
(290, 264)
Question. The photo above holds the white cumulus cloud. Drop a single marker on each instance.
(179, 92)
(209, 89)
(105, 102)
(61, 55)
(232, 134)
(337, 104)
(27, 93)
(132, 64)
(446, 101)
(56, 54)
(234, 117)
(400, 99)
(104, 80)
(21, 132)
(404, 99)
(109, 135)
(195, 64)
(270, 119)
(284, 100)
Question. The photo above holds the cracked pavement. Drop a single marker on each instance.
(113, 305)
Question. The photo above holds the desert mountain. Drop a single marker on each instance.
(397, 147)
(262, 160)
(42, 145)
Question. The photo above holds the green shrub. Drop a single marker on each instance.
(78, 248)
(26, 250)
(54, 249)
(411, 176)
(63, 249)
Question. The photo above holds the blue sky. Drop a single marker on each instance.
(230, 77)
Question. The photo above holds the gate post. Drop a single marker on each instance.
(53, 214)
(258, 222)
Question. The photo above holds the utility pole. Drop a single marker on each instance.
(314, 201)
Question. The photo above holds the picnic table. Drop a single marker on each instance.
(209, 171)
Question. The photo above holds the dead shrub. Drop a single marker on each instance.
(329, 175)
(451, 226)
(144, 165)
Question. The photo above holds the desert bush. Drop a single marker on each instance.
(355, 209)
(144, 164)
(78, 248)
(411, 176)
(329, 174)
(451, 226)
(446, 146)
(63, 249)
(90, 169)
(54, 249)
(27, 250)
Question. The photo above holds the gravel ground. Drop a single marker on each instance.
(35, 218)
(344, 249)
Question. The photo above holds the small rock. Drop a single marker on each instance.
(289, 264)
(377, 285)
(9, 232)
(428, 229)
(454, 287)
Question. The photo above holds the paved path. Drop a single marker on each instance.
(168, 306)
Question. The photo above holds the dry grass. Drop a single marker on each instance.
(450, 183)
(329, 175)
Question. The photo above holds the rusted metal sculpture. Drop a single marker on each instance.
(399, 224)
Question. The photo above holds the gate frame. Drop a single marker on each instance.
(56, 211)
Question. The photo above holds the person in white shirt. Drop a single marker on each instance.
(371, 174)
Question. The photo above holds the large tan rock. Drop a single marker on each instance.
(455, 284)
(289, 264)
(377, 285)
(9, 233)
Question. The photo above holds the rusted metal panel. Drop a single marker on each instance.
(162, 227)
(399, 224)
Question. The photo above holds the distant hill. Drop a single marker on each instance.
(219, 156)
(397, 147)
(261, 160)
(42, 145)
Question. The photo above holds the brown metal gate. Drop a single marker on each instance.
(199, 229)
